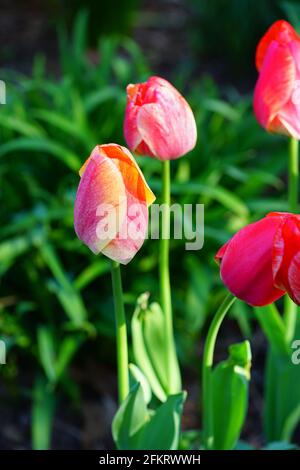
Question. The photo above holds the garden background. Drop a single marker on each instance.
(66, 65)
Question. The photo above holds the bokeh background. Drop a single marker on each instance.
(66, 65)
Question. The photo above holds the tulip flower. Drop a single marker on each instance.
(111, 207)
(158, 120)
(261, 262)
(277, 92)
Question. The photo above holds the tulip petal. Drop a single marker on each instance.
(132, 233)
(274, 87)
(111, 207)
(246, 264)
(158, 120)
(97, 198)
(286, 257)
(294, 279)
(280, 31)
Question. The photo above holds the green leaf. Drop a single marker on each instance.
(273, 327)
(130, 419)
(42, 145)
(282, 397)
(225, 197)
(11, 249)
(43, 408)
(67, 349)
(135, 427)
(167, 418)
(230, 396)
(21, 126)
(137, 377)
(69, 298)
(46, 348)
(149, 347)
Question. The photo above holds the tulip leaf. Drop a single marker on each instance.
(273, 327)
(137, 428)
(168, 418)
(150, 348)
(137, 376)
(130, 419)
(282, 397)
(46, 348)
(42, 414)
(230, 381)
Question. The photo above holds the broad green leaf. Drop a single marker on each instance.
(42, 414)
(230, 396)
(137, 428)
(150, 348)
(130, 419)
(282, 396)
(163, 430)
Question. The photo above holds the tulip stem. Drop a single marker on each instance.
(164, 274)
(290, 308)
(293, 175)
(121, 332)
(208, 358)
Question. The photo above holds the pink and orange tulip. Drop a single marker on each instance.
(261, 262)
(158, 120)
(111, 207)
(277, 92)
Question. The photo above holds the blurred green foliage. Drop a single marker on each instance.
(55, 296)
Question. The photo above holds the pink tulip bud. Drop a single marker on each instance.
(111, 207)
(158, 120)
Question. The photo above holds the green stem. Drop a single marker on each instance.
(293, 175)
(164, 274)
(208, 357)
(290, 308)
(121, 332)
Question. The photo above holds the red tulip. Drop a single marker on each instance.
(158, 120)
(277, 92)
(111, 207)
(261, 262)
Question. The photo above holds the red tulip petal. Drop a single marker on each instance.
(274, 87)
(286, 252)
(282, 32)
(294, 279)
(220, 254)
(246, 265)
